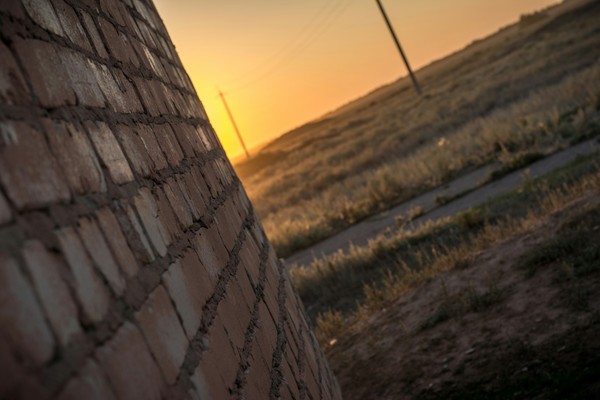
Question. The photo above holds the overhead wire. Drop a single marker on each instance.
(333, 14)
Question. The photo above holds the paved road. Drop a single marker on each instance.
(471, 183)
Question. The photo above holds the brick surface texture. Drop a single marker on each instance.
(132, 265)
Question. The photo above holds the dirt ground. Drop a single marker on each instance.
(490, 331)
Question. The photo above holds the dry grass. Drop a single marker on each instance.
(531, 88)
(370, 278)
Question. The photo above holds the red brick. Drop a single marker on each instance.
(92, 294)
(43, 14)
(90, 384)
(28, 171)
(117, 241)
(92, 30)
(71, 25)
(147, 209)
(177, 201)
(44, 68)
(211, 251)
(152, 147)
(13, 89)
(76, 157)
(135, 150)
(217, 369)
(110, 152)
(130, 369)
(160, 326)
(45, 270)
(170, 146)
(21, 319)
(189, 288)
(96, 245)
(5, 211)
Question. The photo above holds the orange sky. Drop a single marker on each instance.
(283, 63)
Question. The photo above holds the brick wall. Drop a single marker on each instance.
(132, 265)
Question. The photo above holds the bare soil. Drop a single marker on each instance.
(489, 331)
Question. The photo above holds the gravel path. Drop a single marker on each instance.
(471, 184)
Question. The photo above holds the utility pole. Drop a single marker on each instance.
(237, 131)
(389, 25)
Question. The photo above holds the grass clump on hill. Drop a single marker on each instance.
(367, 279)
(537, 90)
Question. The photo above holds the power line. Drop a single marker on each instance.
(333, 14)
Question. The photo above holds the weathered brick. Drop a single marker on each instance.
(249, 259)
(96, 245)
(92, 294)
(92, 30)
(178, 203)
(81, 78)
(128, 100)
(21, 320)
(147, 96)
(140, 242)
(119, 97)
(117, 241)
(216, 372)
(110, 152)
(47, 74)
(170, 146)
(152, 147)
(43, 14)
(211, 251)
(76, 157)
(228, 224)
(130, 369)
(163, 332)
(236, 316)
(266, 332)
(194, 201)
(147, 209)
(90, 384)
(189, 288)
(45, 270)
(167, 216)
(13, 89)
(135, 150)
(5, 211)
(71, 25)
(28, 171)
(13, 373)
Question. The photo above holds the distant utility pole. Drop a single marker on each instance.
(389, 25)
(237, 131)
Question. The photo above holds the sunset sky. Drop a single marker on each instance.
(283, 63)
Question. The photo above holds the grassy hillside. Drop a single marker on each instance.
(530, 88)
